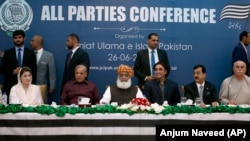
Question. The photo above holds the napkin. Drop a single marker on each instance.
(189, 102)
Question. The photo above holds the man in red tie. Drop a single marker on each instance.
(78, 56)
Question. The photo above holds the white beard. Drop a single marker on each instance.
(123, 85)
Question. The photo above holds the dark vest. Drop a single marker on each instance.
(122, 96)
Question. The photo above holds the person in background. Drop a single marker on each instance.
(235, 89)
(14, 59)
(123, 91)
(24, 92)
(144, 62)
(79, 87)
(161, 89)
(1, 54)
(75, 57)
(201, 88)
(240, 50)
(46, 70)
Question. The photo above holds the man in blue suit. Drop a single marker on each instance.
(143, 63)
(161, 89)
(46, 70)
(240, 50)
(76, 57)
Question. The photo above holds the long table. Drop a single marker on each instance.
(26, 126)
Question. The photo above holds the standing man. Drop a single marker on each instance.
(240, 50)
(201, 88)
(144, 62)
(15, 58)
(46, 70)
(76, 57)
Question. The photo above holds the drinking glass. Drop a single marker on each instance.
(183, 100)
(197, 101)
(80, 99)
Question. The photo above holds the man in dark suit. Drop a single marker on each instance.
(76, 57)
(143, 64)
(10, 65)
(46, 70)
(161, 90)
(240, 50)
(201, 88)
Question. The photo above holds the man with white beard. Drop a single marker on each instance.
(122, 92)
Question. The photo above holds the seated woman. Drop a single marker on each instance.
(24, 92)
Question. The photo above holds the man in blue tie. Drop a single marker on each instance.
(146, 59)
(15, 58)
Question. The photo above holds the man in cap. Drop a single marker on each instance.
(122, 92)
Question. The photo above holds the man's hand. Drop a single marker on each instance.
(149, 78)
(232, 102)
(16, 70)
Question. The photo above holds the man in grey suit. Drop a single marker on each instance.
(46, 70)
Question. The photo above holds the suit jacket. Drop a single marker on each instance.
(9, 63)
(79, 57)
(142, 64)
(152, 91)
(239, 53)
(46, 70)
(209, 92)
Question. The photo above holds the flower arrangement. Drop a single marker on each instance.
(141, 105)
(140, 102)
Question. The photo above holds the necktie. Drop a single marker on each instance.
(69, 59)
(201, 92)
(152, 61)
(19, 57)
(36, 52)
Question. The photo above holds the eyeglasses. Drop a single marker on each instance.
(123, 75)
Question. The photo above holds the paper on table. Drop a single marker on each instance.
(189, 102)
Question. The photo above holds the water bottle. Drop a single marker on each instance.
(1, 96)
(4, 98)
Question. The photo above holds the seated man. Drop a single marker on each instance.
(79, 87)
(122, 92)
(235, 89)
(200, 88)
(160, 89)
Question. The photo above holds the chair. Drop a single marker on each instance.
(43, 89)
(182, 90)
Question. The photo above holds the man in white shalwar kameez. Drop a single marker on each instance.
(235, 90)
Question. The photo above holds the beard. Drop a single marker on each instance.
(19, 44)
(123, 85)
(70, 47)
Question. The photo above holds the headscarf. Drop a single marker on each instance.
(125, 68)
(32, 96)
(19, 73)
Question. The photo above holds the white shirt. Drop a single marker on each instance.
(106, 98)
(39, 54)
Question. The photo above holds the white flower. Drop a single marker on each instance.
(124, 106)
(134, 108)
(157, 108)
(142, 107)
